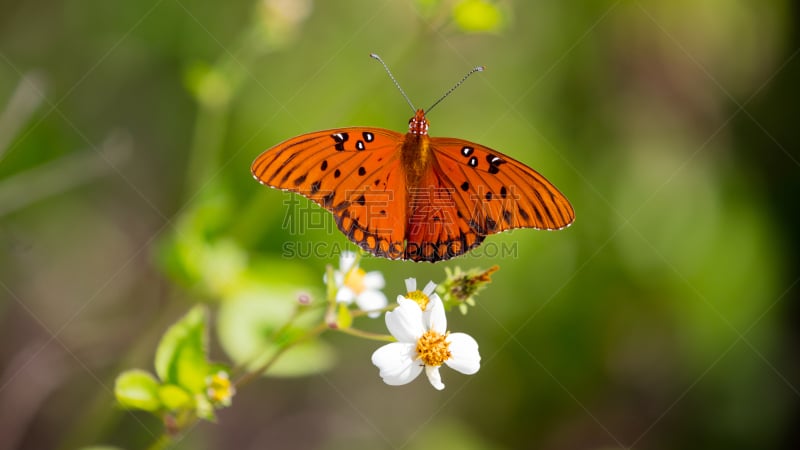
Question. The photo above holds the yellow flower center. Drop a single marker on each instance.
(432, 348)
(419, 297)
(354, 279)
(219, 388)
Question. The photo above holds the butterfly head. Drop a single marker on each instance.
(418, 124)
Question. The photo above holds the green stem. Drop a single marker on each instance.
(249, 377)
(368, 335)
(209, 132)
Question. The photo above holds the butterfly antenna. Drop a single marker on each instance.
(373, 55)
(477, 69)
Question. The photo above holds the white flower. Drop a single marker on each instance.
(423, 297)
(355, 284)
(423, 342)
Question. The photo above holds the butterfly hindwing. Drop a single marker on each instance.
(437, 228)
(351, 172)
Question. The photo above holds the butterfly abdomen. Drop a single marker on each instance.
(416, 157)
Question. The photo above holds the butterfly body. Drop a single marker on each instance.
(416, 149)
(412, 196)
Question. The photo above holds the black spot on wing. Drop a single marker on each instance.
(339, 139)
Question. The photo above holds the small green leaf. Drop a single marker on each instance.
(137, 389)
(181, 354)
(174, 397)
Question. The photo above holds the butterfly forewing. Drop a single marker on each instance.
(352, 172)
(495, 193)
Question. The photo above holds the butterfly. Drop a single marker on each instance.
(411, 196)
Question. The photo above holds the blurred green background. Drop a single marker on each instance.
(664, 318)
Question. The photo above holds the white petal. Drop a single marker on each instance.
(397, 363)
(345, 295)
(429, 288)
(434, 298)
(371, 301)
(434, 318)
(464, 356)
(411, 284)
(346, 261)
(434, 377)
(405, 322)
(374, 280)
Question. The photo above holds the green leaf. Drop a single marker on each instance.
(252, 324)
(174, 397)
(137, 389)
(181, 354)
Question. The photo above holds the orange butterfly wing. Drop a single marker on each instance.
(502, 191)
(438, 226)
(355, 173)
(471, 191)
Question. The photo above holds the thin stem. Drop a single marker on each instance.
(249, 377)
(62, 174)
(279, 332)
(330, 313)
(367, 335)
(27, 97)
(209, 134)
